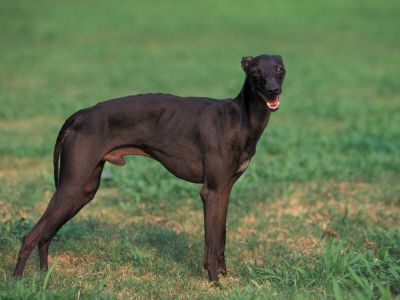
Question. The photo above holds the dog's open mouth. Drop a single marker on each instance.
(272, 105)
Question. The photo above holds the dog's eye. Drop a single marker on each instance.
(256, 72)
(279, 70)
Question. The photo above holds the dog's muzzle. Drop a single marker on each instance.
(273, 104)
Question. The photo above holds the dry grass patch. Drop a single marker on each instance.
(303, 219)
(29, 124)
(13, 169)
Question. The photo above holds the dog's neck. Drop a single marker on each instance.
(256, 112)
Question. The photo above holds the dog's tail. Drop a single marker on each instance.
(57, 148)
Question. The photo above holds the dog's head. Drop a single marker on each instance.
(265, 74)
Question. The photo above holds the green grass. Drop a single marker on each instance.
(316, 215)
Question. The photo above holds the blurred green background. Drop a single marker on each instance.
(342, 66)
(335, 139)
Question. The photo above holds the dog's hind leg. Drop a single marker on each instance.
(60, 207)
(88, 194)
(76, 170)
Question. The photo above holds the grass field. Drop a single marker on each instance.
(316, 215)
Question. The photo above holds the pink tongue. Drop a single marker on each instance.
(275, 102)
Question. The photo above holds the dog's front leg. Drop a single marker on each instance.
(211, 203)
(223, 210)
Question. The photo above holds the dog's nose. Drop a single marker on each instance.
(273, 91)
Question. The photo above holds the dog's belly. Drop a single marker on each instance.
(187, 169)
(191, 171)
(116, 156)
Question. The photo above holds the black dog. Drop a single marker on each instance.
(200, 140)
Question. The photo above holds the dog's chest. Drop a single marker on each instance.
(243, 166)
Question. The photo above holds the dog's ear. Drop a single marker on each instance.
(279, 58)
(245, 61)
